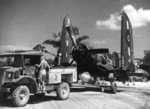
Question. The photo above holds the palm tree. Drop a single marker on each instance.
(38, 47)
(57, 38)
(55, 42)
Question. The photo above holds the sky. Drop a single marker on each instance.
(26, 23)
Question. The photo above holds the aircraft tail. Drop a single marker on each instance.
(66, 43)
(127, 54)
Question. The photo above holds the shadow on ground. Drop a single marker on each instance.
(33, 100)
(50, 97)
(92, 89)
(147, 93)
(38, 99)
(6, 103)
(108, 90)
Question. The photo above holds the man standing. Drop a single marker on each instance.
(42, 73)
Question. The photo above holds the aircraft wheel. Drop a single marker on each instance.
(20, 96)
(145, 80)
(113, 87)
(63, 91)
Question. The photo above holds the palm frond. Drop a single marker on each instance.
(75, 30)
(55, 36)
(37, 47)
(80, 39)
(54, 43)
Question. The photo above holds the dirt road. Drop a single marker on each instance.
(81, 97)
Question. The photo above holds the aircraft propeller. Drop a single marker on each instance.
(70, 30)
(80, 51)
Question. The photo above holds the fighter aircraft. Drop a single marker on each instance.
(93, 64)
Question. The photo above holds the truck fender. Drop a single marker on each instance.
(29, 81)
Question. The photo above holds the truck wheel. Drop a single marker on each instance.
(113, 87)
(20, 96)
(63, 91)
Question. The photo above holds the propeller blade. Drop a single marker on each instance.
(65, 43)
(70, 30)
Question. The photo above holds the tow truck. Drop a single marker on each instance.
(18, 75)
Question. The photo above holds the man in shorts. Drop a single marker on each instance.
(42, 73)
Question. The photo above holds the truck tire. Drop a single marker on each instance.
(113, 87)
(20, 96)
(63, 91)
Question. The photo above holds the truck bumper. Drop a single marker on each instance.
(4, 89)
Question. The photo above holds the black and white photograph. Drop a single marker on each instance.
(74, 54)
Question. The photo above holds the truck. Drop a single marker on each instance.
(18, 77)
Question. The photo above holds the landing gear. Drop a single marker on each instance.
(145, 79)
(103, 83)
(113, 87)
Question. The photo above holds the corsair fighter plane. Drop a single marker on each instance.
(92, 63)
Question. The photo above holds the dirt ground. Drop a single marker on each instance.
(91, 97)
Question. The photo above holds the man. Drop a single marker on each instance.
(42, 73)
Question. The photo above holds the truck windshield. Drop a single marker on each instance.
(15, 61)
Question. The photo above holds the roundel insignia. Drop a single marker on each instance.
(128, 38)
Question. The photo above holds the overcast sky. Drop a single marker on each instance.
(26, 23)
